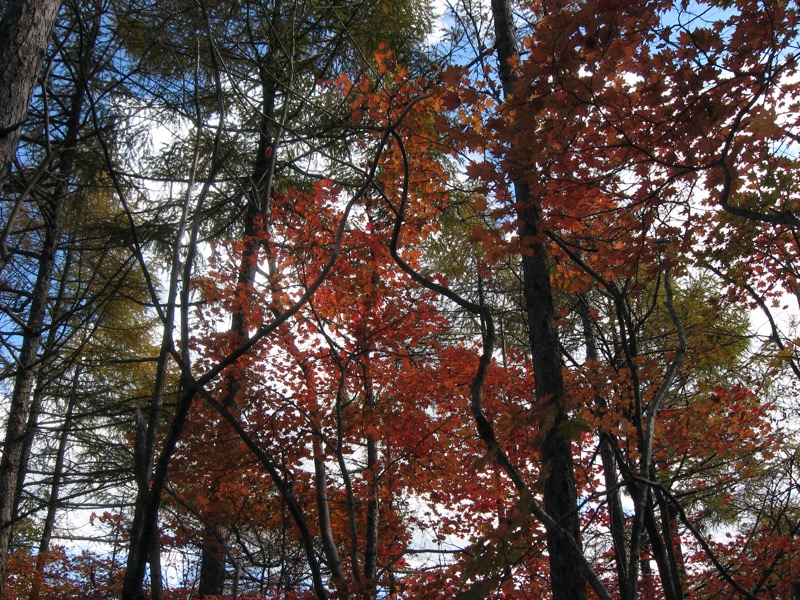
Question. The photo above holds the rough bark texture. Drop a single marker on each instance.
(25, 27)
(560, 496)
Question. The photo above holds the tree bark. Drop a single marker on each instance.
(323, 511)
(560, 495)
(25, 27)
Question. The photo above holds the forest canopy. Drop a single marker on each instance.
(303, 299)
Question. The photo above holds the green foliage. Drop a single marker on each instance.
(324, 241)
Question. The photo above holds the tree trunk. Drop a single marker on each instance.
(212, 565)
(154, 560)
(25, 27)
(608, 458)
(48, 351)
(55, 490)
(145, 524)
(24, 380)
(560, 496)
(672, 543)
(373, 507)
(323, 511)
(144, 529)
(149, 487)
(28, 361)
(659, 551)
(212, 569)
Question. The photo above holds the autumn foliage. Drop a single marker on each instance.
(351, 405)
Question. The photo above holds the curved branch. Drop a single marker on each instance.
(723, 572)
(784, 217)
(775, 333)
(482, 423)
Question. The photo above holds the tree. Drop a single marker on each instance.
(567, 134)
(64, 237)
(566, 65)
(560, 495)
(286, 57)
(25, 28)
(474, 326)
(53, 212)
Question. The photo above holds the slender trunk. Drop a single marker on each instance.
(373, 507)
(143, 463)
(373, 514)
(647, 534)
(55, 490)
(212, 570)
(345, 475)
(28, 361)
(141, 543)
(560, 495)
(237, 571)
(323, 511)
(154, 560)
(659, 550)
(24, 380)
(42, 382)
(684, 590)
(672, 544)
(146, 518)
(644, 513)
(144, 451)
(144, 529)
(616, 514)
(31, 430)
(140, 547)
